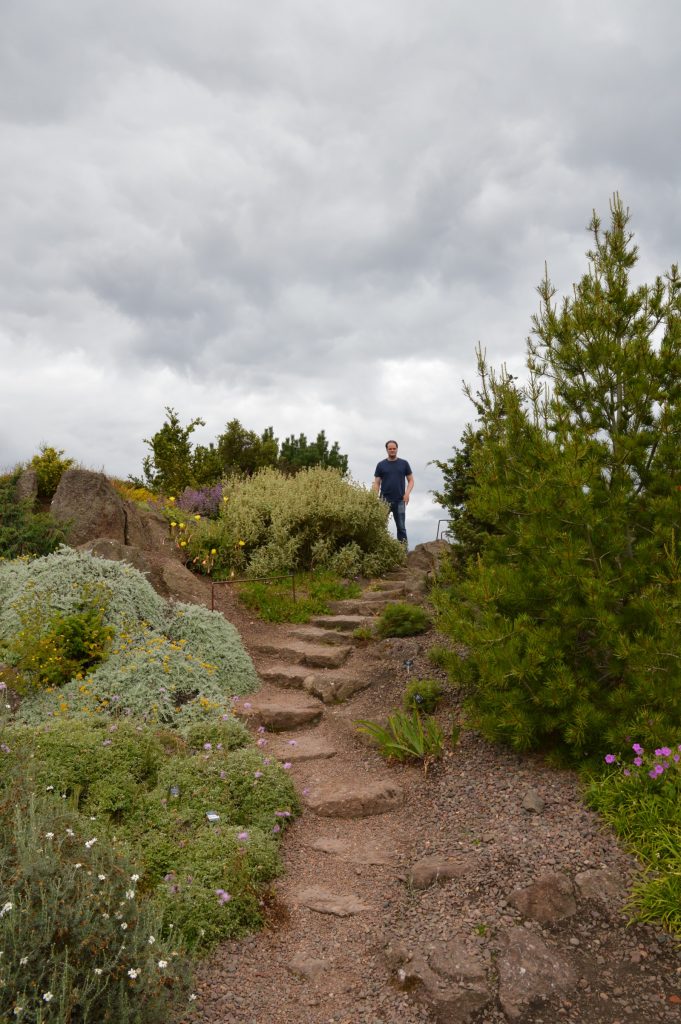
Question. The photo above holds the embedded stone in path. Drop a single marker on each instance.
(363, 852)
(602, 885)
(332, 687)
(530, 973)
(343, 623)
(356, 799)
(307, 748)
(314, 655)
(439, 869)
(548, 899)
(451, 980)
(324, 902)
(280, 714)
(365, 605)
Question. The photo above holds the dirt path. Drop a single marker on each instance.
(485, 892)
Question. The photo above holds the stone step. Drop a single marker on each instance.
(360, 606)
(318, 635)
(341, 623)
(304, 748)
(355, 799)
(329, 686)
(290, 711)
(392, 587)
(300, 653)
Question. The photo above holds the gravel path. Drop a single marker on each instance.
(375, 966)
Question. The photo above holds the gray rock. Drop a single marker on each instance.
(438, 869)
(548, 899)
(26, 488)
(306, 966)
(90, 506)
(450, 980)
(307, 748)
(530, 973)
(532, 802)
(301, 653)
(356, 799)
(602, 886)
(324, 902)
(290, 712)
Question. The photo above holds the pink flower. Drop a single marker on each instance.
(257, 775)
(243, 836)
(610, 758)
(286, 764)
(277, 828)
(223, 896)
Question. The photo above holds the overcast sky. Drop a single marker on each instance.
(306, 214)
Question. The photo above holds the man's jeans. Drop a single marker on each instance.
(398, 510)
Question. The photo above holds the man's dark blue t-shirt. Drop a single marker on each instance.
(393, 475)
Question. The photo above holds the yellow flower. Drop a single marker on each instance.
(173, 524)
(213, 551)
(225, 498)
(197, 517)
(171, 500)
(183, 543)
(242, 543)
(182, 526)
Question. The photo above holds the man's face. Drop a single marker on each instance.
(392, 451)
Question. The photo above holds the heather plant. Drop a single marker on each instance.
(206, 501)
(402, 619)
(423, 695)
(49, 467)
(640, 796)
(77, 942)
(566, 505)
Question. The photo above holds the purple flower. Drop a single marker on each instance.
(106, 743)
(663, 752)
(277, 828)
(286, 764)
(637, 748)
(257, 775)
(261, 728)
(223, 775)
(676, 758)
(207, 746)
(5, 749)
(626, 772)
(610, 759)
(638, 761)
(261, 742)
(267, 761)
(247, 704)
(293, 743)
(243, 836)
(223, 896)
(282, 814)
(657, 769)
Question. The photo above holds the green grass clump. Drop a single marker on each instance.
(274, 602)
(402, 619)
(423, 695)
(406, 737)
(641, 799)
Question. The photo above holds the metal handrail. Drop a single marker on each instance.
(251, 579)
(437, 535)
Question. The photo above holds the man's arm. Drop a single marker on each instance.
(410, 488)
(376, 485)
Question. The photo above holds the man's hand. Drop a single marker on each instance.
(405, 499)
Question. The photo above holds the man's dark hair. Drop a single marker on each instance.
(391, 442)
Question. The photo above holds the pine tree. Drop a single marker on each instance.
(571, 610)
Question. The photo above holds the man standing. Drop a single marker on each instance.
(394, 481)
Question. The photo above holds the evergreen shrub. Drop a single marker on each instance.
(566, 504)
(24, 532)
(402, 619)
(423, 695)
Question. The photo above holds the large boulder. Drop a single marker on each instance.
(90, 506)
(27, 486)
(426, 557)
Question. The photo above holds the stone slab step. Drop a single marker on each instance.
(360, 606)
(355, 799)
(392, 587)
(290, 711)
(341, 622)
(318, 635)
(306, 748)
(329, 686)
(301, 653)
(325, 902)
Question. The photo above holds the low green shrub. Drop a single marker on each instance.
(271, 523)
(49, 467)
(406, 737)
(77, 942)
(423, 695)
(274, 602)
(402, 619)
(53, 647)
(24, 532)
(641, 799)
(153, 791)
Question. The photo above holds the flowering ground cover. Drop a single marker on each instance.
(139, 824)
